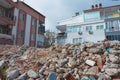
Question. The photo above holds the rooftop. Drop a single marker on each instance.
(90, 10)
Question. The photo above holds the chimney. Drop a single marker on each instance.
(92, 7)
(100, 6)
(96, 6)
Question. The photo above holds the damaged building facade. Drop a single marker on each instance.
(20, 24)
(93, 25)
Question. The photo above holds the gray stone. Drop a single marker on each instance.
(30, 79)
(12, 74)
(60, 77)
(72, 62)
(112, 51)
(113, 58)
(90, 44)
(102, 76)
(94, 50)
(38, 79)
(61, 70)
(41, 76)
(63, 62)
(45, 73)
(64, 51)
(108, 77)
(10, 53)
(2, 62)
(64, 55)
(11, 62)
(77, 77)
(32, 74)
(41, 70)
(111, 71)
(112, 65)
(52, 69)
(22, 77)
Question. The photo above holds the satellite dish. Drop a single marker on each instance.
(14, 0)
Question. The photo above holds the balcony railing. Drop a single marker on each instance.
(112, 30)
(6, 36)
(62, 34)
(41, 28)
(7, 19)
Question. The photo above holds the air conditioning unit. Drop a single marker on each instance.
(80, 33)
(90, 32)
(14, 0)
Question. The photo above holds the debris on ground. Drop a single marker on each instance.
(90, 61)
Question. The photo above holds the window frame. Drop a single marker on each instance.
(1, 30)
(32, 37)
(34, 22)
(99, 27)
(2, 11)
(22, 16)
(88, 28)
(20, 33)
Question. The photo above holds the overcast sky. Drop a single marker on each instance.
(57, 10)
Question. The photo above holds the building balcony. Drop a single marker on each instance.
(63, 35)
(6, 39)
(6, 36)
(41, 28)
(7, 20)
(61, 27)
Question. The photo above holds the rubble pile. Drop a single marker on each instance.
(87, 61)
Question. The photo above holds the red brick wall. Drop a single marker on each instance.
(21, 26)
(6, 29)
(6, 41)
(33, 31)
(31, 12)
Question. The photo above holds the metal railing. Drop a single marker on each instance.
(7, 36)
(111, 30)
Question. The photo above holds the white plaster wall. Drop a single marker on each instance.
(73, 20)
(97, 35)
(70, 37)
(93, 25)
(14, 29)
(27, 30)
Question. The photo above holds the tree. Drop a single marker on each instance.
(49, 38)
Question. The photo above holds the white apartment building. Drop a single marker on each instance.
(92, 25)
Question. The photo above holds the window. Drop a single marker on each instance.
(41, 28)
(22, 16)
(33, 37)
(88, 28)
(20, 34)
(73, 29)
(77, 40)
(10, 14)
(99, 27)
(2, 11)
(92, 16)
(0, 30)
(40, 40)
(33, 22)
